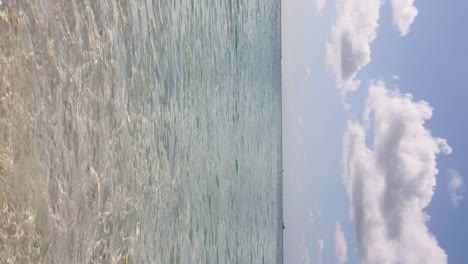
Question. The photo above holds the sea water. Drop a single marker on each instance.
(140, 131)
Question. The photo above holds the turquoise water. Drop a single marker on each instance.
(140, 131)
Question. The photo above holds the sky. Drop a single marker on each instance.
(374, 144)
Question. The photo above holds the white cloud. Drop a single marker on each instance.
(390, 184)
(320, 246)
(313, 216)
(341, 248)
(319, 5)
(306, 255)
(300, 120)
(307, 75)
(354, 30)
(404, 13)
(456, 188)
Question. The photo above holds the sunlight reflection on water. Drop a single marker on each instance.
(139, 133)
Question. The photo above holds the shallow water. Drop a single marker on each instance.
(140, 133)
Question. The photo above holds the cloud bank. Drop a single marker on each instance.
(391, 183)
(341, 248)
(456, 188)
(353, 32)
(404, 13)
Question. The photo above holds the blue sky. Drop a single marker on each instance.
(415, 48)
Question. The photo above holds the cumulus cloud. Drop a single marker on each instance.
(354, 30)
(319, 5)
(456, 188)
(404, 13)
(341, 248)
(320, 246)
(391, 183)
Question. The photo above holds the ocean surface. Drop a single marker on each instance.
(140, 131)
